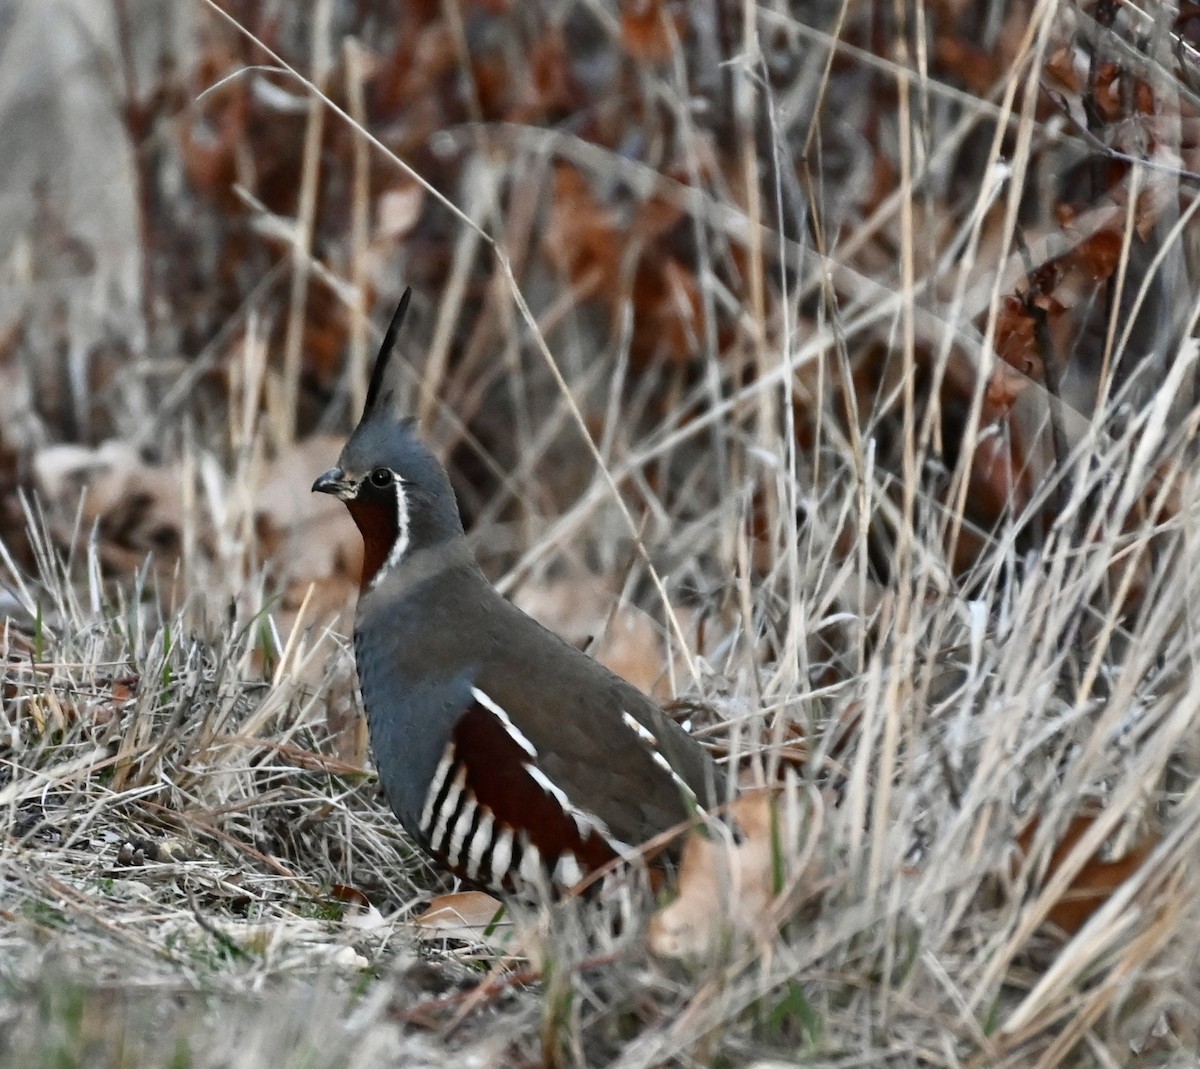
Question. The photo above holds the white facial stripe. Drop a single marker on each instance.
(401, 544)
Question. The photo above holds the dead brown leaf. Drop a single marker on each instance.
(743, 879)
(580, 607)
(468, 916)
(138, 507)
(646, 30)
(1095, 882)
(310, 537)
(360, 912)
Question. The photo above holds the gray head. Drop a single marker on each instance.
(397, 492)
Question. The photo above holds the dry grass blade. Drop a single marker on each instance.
(835, 367)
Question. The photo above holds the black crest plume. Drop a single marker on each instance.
(385, 353)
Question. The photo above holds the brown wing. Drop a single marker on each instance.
(615, 754)
(493, 816)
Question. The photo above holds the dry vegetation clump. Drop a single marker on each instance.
(830, 369)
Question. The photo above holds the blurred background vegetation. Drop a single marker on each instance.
(830, 363)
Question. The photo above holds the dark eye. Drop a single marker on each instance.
(381, 478)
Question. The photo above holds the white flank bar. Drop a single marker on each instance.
(518, 736)
(458, 785)
(435, 785)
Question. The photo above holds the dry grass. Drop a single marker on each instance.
(186, 851)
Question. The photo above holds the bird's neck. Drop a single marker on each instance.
(385, 536)
(394, 574)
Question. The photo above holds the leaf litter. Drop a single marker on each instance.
(936, 600)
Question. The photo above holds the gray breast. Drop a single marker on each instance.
(410, 721)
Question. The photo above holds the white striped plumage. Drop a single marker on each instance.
(449, 804)
(477, 845)
(502, 854)
(462, 829)
(400, 546)
(435, 786)
(647, 736)
(584, 822)
(456, 847)
(427, 619)
(517, 735)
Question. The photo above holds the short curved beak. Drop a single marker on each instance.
(334, 482)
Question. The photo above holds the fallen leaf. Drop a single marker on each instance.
(580, 607)
(171, 850)
(343, 892)
(349, 958)
(316, 555)
(360, 912)
(138, 507)
(646, 30)
(397, 211)
(1095, 882)
(309, 536)
(468, 916)
(744, 876)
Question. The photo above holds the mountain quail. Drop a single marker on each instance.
(511, 757)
